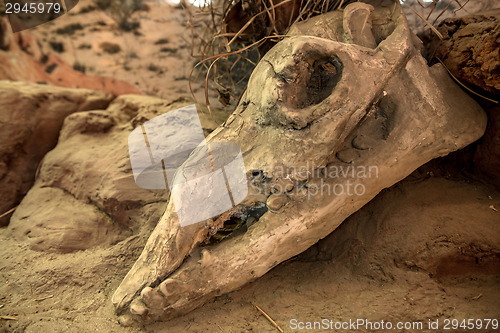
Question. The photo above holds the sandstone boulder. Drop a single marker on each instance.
(30, 119)
(86, 195)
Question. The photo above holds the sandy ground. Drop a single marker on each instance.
(42, 292)
(156, 57)
(71, 292)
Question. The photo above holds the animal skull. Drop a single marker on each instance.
(345, 91)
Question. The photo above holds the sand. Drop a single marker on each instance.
(363, 278)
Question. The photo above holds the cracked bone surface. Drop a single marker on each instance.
(339, 110)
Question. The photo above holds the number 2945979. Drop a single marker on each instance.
(32, 7)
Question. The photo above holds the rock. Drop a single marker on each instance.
(90, 169)
(31, 118)
(54, 220)
(470, 49)
(62, 74)
(22, 60)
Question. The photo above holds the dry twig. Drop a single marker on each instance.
(43, 298)
(224, 54)
(8, 212)
(269, 318)
(433, 28)
(475, 298)
(464, 86)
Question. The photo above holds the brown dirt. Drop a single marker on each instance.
(422, 250)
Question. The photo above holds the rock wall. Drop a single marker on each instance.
(30, 118)
(85, 194)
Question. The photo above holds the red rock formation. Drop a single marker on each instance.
(22, 60)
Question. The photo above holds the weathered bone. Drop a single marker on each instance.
(322, 103)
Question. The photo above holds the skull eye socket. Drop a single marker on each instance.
(310, 81)
(326, 73)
